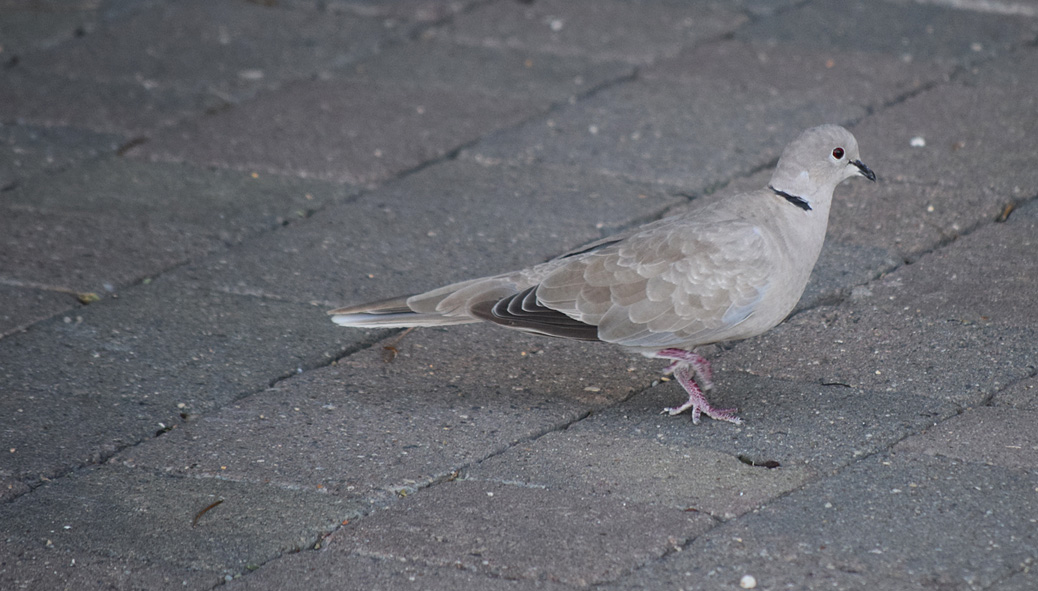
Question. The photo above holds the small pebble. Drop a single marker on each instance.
(748, 582)
(917, 142)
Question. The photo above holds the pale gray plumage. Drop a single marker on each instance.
(725, 270)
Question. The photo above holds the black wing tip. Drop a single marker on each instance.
(522, 311)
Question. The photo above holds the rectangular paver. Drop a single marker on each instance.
(223, 48)
(28, 150)
(997, 436)
(605, 30)
(26, 305)
(75, 389)
(141, 516)
(1022, 394)
(339, 571)
(520, 532)
(339, 130)
(887, 523)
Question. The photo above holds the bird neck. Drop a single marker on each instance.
(801, 194)
(796, 200)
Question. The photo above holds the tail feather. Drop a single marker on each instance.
(397, 305)
(444, 306)
(406, 311)
(401, 320)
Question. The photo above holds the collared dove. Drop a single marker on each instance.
(720, 271)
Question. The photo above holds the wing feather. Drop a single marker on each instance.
(665, 286)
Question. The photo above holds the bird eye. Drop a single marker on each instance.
(838, 153)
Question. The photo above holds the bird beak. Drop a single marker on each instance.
(864, 170)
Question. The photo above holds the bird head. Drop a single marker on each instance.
(815, 162)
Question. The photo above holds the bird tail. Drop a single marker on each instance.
(391, 313)
(444, 306)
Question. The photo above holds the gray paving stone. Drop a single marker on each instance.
(675, 124)
(24, 27)
(637, 32)
(124, 107)
(619, 465)
(911, 219)
(141, 516)
(1026, 212)
(881, 524)
(105, 225)
(365, 426)
(792, 573)
(430, 62)
(843, 73)
(325, 570)
(910, 31)
(840, 268)
(968, 148)
(1023, 394)
(41, 567)
(339, 130)
(27, 150)
(890, 349)
(986, 277)
(89, 253)
(231, 49)
(997, 436)
(801, 426)
(230, 204)
(1022, 581)
(34, 25)
(26, 305)
(416, 10)
(929, 196)
(1010, 70)
(442, 224)
(518, 532)
(74, 392)
(973, 164)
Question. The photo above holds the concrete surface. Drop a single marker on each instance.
(186, 187)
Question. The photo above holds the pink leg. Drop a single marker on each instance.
(700, 366)
(686, 367)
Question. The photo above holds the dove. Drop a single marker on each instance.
(724, 270)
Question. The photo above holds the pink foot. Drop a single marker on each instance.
(700, 366)
(685, 369)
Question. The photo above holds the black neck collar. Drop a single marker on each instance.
(794, 199)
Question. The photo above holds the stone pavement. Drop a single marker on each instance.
(186, 187)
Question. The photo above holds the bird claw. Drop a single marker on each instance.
(686, 367)
(718, 414)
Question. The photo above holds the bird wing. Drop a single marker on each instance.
(672, 284)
